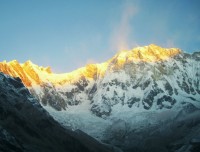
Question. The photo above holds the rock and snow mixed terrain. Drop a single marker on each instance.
(26, 127)
(138, 96)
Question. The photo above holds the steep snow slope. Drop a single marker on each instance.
(26, 127)
(143, 86)
(150, 77)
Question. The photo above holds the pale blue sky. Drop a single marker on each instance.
(67, 34)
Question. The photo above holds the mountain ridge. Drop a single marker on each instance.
(124, 96)
(151, 53)
(154, 59)
(135, 77)
(26, 127)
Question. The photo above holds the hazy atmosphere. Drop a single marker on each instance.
(67, 34)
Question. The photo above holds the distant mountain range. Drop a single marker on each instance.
(147, 86)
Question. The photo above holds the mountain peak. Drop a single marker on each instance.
(150, 53)
(13, 62)
(153, 46)
(153, 53)
(32, 74)
(28, 62)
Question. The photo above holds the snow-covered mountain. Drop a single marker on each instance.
(148, 77)
(26, 127)
(145, 86)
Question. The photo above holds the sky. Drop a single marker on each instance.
(68, 34)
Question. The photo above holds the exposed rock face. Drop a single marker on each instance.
(150, 77)
(26, 127)
(146, 95)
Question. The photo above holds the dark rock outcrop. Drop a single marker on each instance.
(26, 127)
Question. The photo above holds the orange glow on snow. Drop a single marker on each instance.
(151, 53)
(33, 75)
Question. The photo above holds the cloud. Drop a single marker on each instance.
(91, 61)
(170, 43)
(120, 37)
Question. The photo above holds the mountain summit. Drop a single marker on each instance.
(136, 91)
(33, 75)
(151, 53)
(139, 77)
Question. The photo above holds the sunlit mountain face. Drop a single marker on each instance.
(126, 100)
(33, 75)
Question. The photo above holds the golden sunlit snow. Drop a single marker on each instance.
(31, 74)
